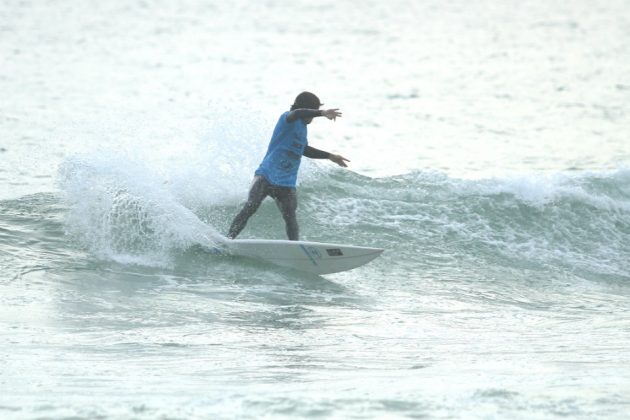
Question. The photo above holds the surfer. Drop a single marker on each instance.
(277, 174)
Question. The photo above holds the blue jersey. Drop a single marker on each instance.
(284, 154)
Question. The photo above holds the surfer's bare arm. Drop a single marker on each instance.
(313, 153)
(305, 113)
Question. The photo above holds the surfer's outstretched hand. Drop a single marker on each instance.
(331, 114)
(339, 160)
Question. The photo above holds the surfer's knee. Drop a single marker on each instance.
(250, 207)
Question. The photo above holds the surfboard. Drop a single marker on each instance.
(311, 257)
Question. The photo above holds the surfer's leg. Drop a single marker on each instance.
(257, 193)
(286, 199)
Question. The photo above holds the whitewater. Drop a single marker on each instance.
(489, 158)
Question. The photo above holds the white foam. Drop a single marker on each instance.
(136, 201)
(539, 189)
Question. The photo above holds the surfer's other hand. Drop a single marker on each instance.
(339, 160)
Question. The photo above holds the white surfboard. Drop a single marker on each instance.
(312, 257)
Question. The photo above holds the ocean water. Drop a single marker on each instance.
(489, 147)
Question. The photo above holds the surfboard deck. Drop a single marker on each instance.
(311, 257)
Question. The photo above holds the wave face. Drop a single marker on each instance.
(566, 222)
(561, 224)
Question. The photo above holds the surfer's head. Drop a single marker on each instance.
(306, 100)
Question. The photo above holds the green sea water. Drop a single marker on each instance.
(489, 158)
(488, 292)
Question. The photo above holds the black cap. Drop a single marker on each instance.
(306, 100)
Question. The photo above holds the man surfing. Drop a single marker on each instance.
(277, 174)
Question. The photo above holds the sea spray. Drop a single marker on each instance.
(120, 210)
(136, 197)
